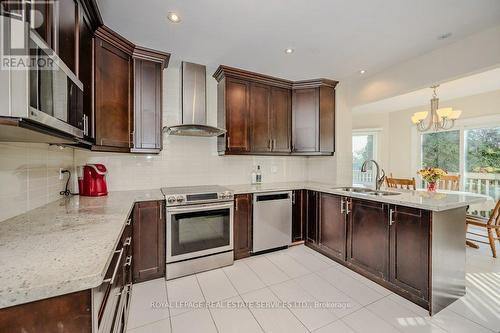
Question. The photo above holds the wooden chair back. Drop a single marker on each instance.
(401, 183)
(495, 216)
(449, 182)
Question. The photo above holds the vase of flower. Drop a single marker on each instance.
(431, 176)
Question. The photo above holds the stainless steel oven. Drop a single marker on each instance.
(199, 230)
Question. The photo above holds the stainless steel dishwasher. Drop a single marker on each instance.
(272, 220)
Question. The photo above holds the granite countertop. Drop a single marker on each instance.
(66, 246)
(438, 201)
(62, 247)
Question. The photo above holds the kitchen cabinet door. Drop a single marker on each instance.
(85, 68)
(305, 122)
(260, 122)
(67, 32)
(298, 215)
(368, 237)
(312, 217)
(147, 106)
(281, 119)
(332, 225)
(113, 77)
(409, 250)
(148, 241)
(237, 95)
(242, 226)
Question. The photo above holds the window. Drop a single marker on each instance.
(471, 150)
(363, 148)
(482, 161)
(441, 150)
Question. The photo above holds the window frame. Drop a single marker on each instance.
(461, 125)
(375, 133)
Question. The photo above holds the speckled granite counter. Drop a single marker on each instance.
(439, 201)
(62, 247)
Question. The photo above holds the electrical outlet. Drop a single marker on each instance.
(61, 176)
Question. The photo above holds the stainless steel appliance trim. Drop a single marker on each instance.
(197, 208)
(45, 119)
(188, 267)
(272, 227)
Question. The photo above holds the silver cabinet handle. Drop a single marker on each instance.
(228, 142)
(112, 279)
(348, 206)
(160, 207)
(129, 222)
(85, 124)
(391, 217)
(128, 261)
(342, 209)
(128, 241)
(293, 198)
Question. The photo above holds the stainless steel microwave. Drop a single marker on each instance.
(46, 92)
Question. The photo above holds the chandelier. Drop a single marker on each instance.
(440, 118)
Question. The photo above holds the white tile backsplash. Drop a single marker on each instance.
(29, 176)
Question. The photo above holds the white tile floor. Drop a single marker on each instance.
(300, 274)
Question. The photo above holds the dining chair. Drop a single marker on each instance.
(449, 182)
(492, 226)
(401, 182)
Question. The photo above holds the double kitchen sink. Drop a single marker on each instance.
(362, 190)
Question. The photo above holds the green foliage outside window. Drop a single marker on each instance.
(441, 150)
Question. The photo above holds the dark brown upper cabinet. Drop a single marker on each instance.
(313, 117)
(281, 119)
(128, 89)
(233, 114)
(85, 69)
(256, 111)
(149, 241)
(332, 224)
(242, 234)
(67, 32)
(148, 83)
(113, 91)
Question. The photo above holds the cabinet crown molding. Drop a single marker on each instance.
(113, 38)
(314, 83)
(227, 71)
(151, 55)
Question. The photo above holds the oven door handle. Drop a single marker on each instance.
(195, 208)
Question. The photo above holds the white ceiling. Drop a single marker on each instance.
(467, 86)
(331, 38)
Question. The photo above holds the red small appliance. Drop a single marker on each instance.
(92, 180)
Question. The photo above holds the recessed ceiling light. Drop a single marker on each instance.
(444, 36)
(289, 51)
(362, 71)
(174, 17)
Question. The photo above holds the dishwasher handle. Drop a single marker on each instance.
(272, 196)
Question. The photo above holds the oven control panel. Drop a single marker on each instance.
(196, 198)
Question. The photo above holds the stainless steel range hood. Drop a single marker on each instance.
(193, 99)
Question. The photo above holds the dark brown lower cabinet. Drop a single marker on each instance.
(312, 217)
(149, 241)
(298, 215)
(71, 312)
(242, 233)
(409, 250)
(332, 225)
(368, 237)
